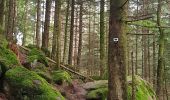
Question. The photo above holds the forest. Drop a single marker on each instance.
(84, 49)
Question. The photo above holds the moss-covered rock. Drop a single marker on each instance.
(7, 59)
(42, 71)
(27, 85)
(99, 90)
(60, 76)
(36, 54)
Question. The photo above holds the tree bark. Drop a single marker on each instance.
(117, 51)
(45, 35)
(70, 56)
(10, 23)
(38, 24)
(56, 34)
(1, 16)
(102, 38)
(80, 34)
(65, 31)
(160, 68)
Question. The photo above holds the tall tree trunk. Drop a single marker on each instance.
(1, 16)
(102, 38)
(10, 24)
(56, 34)
(117, 51)
(160, 54)
(65, 32)
(80, 34)
(45, 35)
(70, 56)
(25, 21)
(38, 24)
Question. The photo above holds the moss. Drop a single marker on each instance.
(36, 54)
(144, 90)
(3, 42)
(27, 84)
(60, 76)
(43, 71)
(100, 94)
(7, 59)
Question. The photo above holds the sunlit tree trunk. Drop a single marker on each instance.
(38, 24)
(80, 34)
(65, 32)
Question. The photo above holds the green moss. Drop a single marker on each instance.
(36, 54)
(3, 42)
(144, 90)
(27, 84)
(7, 59)
(100, 93)
(43, 71)
(60, 76)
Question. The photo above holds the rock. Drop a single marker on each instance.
(98, 90)
(24, 84)
(36, 54)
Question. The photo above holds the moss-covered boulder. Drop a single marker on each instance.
(37, 54)
(98, 90)
(7, 59)
(42, 71)
(61, 76)
(27, 85)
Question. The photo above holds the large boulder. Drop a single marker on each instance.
(23, 84)
(99, 89)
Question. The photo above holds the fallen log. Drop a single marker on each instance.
(64, 67)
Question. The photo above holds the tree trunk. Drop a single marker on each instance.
(80, 35)
(160, 54)
(38, 24)
(25, 21)
(70, 56)
(1, 16)
(65, 31)
(102, 38)
(10, 23)
(56, 34)
(117, 51)
(45, 35)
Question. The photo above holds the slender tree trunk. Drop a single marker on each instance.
(45, 35)
(38, 24)
(70, 56)
(133, 79)
(160, 54)
(1, 16)
(80, 34)
(102, 38)
(154, 64)
(25, 21)
(65, 32)
(117, 51)
(56, 34)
